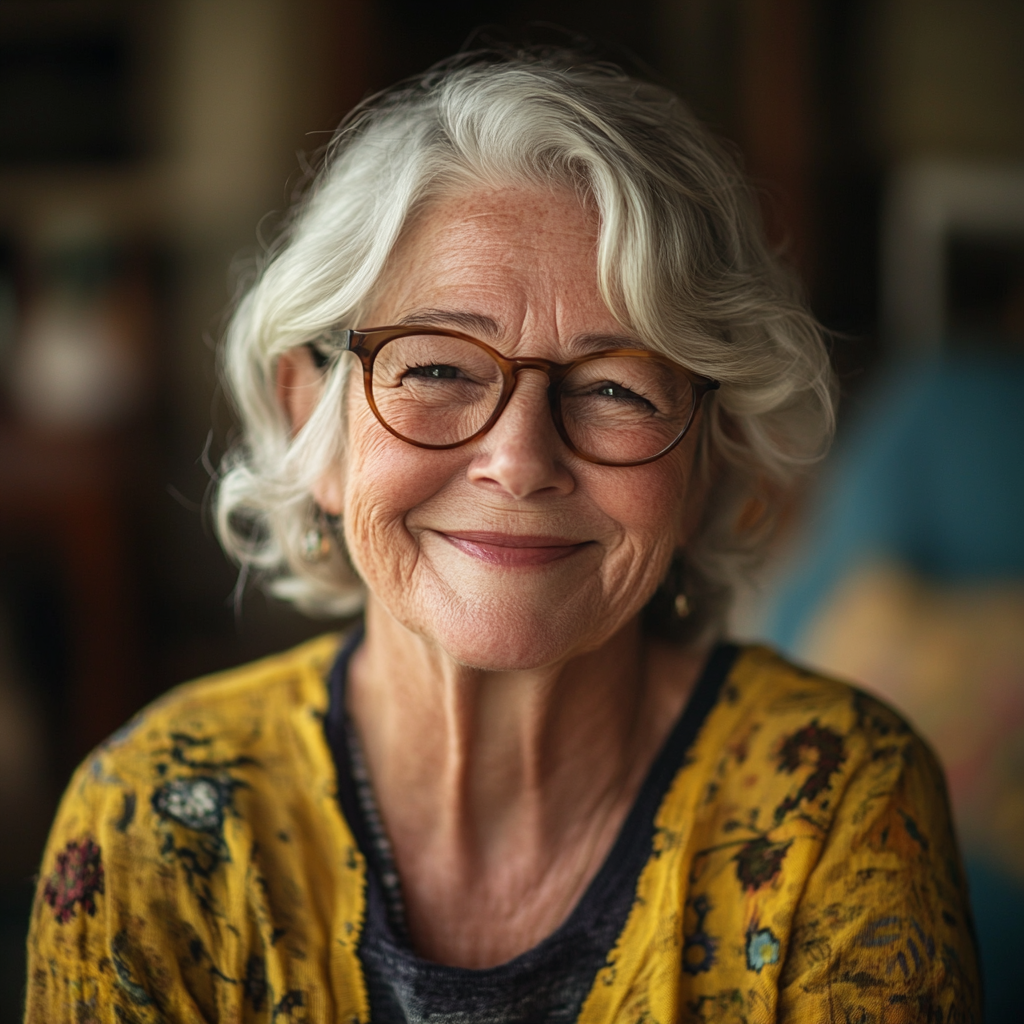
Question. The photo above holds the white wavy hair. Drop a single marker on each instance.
(682, 262)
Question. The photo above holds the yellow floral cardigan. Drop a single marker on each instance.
(803, 867)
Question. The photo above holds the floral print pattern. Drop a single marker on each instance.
(77, 879)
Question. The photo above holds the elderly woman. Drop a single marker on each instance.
(523, 378)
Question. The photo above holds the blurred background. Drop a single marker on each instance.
(148, 149)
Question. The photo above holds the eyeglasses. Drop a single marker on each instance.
(437, 388)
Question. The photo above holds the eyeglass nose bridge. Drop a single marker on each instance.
(511, 368)
(546, 366)
(554, 372)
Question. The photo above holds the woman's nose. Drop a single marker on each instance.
(522, 453)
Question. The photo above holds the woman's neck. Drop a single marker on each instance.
(502, 792)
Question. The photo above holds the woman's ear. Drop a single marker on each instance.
(298, 386)
(299, 382)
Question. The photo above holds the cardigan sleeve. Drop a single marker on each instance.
(111, 936)
(883, 930)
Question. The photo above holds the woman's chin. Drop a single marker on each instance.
(508, 651)
(508, 636)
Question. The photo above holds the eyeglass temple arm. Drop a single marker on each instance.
(328, 344)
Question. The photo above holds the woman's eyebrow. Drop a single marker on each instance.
(471, 323)
(587, 343)
(478, 324)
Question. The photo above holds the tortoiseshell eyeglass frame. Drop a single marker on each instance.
(366, 345)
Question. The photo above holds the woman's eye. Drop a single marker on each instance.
(620, 392)
(433, 372)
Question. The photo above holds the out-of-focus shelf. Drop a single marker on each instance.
(63, 492)
(126, 197)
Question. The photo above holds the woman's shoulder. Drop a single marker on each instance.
(295, 675)
(189, 752)
(812, 742)
(765, 685)
(232, 708)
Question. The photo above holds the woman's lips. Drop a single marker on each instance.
(513, 549)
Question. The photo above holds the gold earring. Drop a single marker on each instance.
(316, 546)
(682, 606)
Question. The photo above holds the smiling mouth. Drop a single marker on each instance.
(514, 549)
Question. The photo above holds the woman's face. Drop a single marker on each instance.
(509, 552)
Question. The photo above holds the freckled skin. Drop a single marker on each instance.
(508, 713)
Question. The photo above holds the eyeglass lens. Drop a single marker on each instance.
(439, 390)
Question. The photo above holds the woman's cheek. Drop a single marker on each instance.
(386, 479)
(649, 502)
